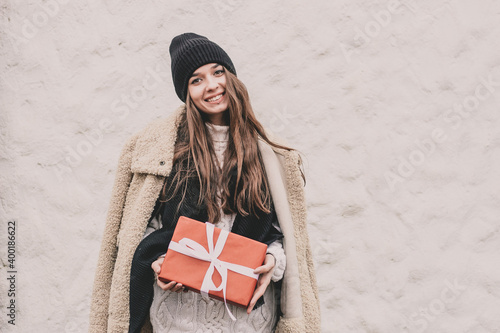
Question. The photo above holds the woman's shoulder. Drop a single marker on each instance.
(275, 137)
(156, 129)
(158, 126)
(152, 147)
(290, 158)
(280, 140)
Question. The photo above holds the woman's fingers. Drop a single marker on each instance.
(262, 284)
(178, 287)
(256, 295)
(259, 291)
(263, 269)
(266, 271)
(165, 286)
(172, 286)
(156, 265)
(268, 265)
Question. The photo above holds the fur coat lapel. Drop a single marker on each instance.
(154, 150)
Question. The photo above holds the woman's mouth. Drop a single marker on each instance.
(215, 99)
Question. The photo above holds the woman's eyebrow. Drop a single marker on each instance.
(214, 66)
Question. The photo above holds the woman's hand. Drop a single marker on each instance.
(172, 285)
(266, 272)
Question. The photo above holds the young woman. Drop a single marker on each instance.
(210, 161)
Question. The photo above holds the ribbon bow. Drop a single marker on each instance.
(194, 249)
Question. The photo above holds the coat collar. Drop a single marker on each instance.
(154, 148)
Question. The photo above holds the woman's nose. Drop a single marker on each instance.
(212, 84)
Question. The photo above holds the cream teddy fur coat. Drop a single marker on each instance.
(145, 162)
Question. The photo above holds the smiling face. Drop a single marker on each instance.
(207, 90)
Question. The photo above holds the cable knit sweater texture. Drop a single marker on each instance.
(188, 312)
(145, 162)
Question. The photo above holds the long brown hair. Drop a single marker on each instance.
(249, 191)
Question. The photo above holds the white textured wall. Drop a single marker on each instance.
(394, 104)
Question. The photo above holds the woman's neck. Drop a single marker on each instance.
(217, 118)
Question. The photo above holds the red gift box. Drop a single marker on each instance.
(207, 259)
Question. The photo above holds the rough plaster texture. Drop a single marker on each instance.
(394, 105)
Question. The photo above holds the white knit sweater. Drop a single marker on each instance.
(189, 312)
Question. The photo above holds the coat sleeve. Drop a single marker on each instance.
(105, 266)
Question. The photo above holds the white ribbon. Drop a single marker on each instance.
(194, 249)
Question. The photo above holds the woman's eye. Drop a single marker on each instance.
(195, 81)
(219, 72)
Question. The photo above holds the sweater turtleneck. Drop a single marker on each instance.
(218, 132)
(220, 138)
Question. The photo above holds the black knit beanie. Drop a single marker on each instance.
(190, 51)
